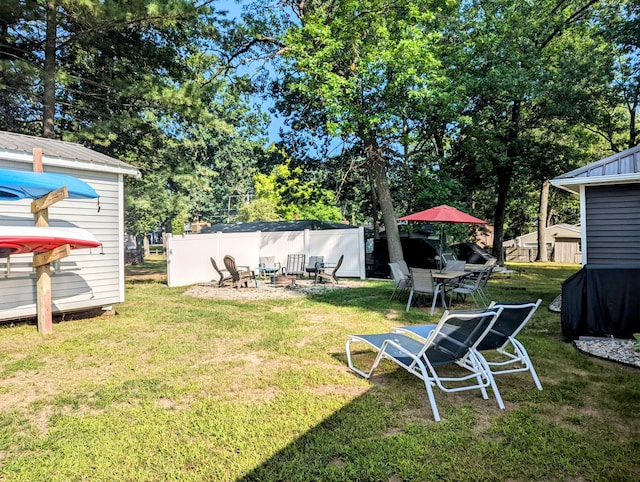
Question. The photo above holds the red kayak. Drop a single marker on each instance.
(34, 239)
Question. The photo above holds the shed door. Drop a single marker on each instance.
(613, 224)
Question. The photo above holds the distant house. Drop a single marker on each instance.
(563, 245)
(88, 278)
(602, 298)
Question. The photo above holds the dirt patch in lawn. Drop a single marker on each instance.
(302, 287)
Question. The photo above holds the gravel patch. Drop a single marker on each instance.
(265, 290)
(621, 351)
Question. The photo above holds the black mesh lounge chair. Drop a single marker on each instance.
(312, 266)
(452, 341)
(510, 354)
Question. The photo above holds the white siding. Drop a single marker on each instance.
(89, 277)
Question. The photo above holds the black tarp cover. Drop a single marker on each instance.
(601, 300)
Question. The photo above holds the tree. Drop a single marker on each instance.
(137, 80)
(366, 73)
(508, 65)
(294, 194)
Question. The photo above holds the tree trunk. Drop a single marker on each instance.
(379, 170)
(504, 171)
(633, 133)
(504, 181)
(542, 222)
(49, 74)
(374, 204)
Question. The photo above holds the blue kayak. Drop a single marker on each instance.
(15, 185)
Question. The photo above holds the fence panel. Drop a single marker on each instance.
(333, 243)
(188, 256)
(525, 255)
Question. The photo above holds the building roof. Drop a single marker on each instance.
(560, 230)
(622, 167)
(267, 226)
(19, 147)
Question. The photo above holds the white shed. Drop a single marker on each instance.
(88, 278)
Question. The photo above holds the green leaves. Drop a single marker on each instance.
(290, 193)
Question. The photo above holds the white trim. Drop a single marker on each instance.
(361, 251)
(583, 224)
(577, 182)
(19, 156)
(121, 235)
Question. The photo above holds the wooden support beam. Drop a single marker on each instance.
(43, 304)
(53, 197)
(49, 257)
(37, 160)
(43, 273)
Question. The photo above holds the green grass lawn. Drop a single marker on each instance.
(173, 387)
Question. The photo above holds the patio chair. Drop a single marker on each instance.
(312, 266)
(422, 284)
(512, 356)
(404, 268)
(267, 266)
(295, 265)
(224, 276)
(473, 287)
(401, 280)
(239, 274)
(329, 271)
(454, 265)
(453, 340)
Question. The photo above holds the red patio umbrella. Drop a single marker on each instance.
(443, 214)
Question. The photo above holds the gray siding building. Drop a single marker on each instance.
(609, 192)
(601, 299)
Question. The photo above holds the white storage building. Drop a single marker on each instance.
(88, 278)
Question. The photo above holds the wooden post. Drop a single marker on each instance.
(42, 262)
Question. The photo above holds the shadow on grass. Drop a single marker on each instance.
(151, 271)
(341, 447)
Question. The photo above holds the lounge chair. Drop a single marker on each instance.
(511, 355)
(453, 341)
(224, 276)
(329, 271)
(422, 284)
(241, 275)
(454, 265)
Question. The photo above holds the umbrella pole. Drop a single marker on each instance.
(441, 253)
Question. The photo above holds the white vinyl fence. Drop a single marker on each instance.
(189, 256)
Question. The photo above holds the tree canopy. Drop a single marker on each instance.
(389, 107)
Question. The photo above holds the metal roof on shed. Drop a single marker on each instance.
(622, 167)
(60, 152)
(268, 226)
